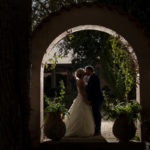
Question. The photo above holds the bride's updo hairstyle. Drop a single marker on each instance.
(79, 72)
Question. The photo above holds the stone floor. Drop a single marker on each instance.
(107, 135)
(107, 131)
(105, 142)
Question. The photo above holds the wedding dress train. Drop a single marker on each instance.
(79, 122)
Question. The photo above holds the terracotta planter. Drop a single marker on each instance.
(54, 127)
(123, 129)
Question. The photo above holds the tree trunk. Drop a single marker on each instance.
(15, 74)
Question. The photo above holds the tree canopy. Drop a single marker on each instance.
(43, 8)
(85, 45)
(96, 48)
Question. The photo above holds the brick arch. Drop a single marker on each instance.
(54, 25)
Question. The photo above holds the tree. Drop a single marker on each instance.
(119, 70)
(43, 8)
(86, 46)
(100, 49)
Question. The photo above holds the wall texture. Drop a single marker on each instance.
(15, 48)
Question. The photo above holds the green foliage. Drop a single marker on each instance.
(43, 8)
(85, 45)
(70, 88)
(61, 93)
(123, 69)
(118, 69)
(70, 95)
(56, 104)
(100, 49)
(130, 109)
(119, 76)
(110, 99)
(116, 64)
(52, 61)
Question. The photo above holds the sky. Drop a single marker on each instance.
(64, 60)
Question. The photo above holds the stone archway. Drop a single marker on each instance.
(49, 52)
(54, 25)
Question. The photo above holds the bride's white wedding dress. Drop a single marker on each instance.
(79, 122)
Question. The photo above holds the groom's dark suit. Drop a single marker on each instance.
(95, 96)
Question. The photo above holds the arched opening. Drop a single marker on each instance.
(51, 28)
(81, 28)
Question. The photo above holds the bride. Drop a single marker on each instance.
(79, 122)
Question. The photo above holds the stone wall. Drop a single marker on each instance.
(51, 28)
(15, 65)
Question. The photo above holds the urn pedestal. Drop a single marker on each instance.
(54, 127)
(123, 129)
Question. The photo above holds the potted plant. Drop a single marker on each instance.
(54, 127)
(124, 114)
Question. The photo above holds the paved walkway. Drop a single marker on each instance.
(107, 135)
(107, 141)
(107, 131)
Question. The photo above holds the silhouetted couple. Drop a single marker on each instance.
(84, 118)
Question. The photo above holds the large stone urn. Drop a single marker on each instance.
(123, 129)
(54, 127)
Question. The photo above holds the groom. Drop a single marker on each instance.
(94, 96)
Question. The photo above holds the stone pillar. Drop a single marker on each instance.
(145, 102)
